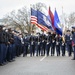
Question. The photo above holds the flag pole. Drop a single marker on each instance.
(63, 24)
(63, 20)
(30, 19)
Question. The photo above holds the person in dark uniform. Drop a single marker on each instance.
(63, 46)
(38, 46)
(20, 44)
(73, 41)
(43, 43)
(48, 43)
(53, 42)
(15, 42)
(32, 44)
(11, 45)
(58, 44)
(26, 44)
(68, 40)
(3, 45)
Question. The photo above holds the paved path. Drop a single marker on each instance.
(41, 65)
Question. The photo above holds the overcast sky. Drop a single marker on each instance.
(9, 5)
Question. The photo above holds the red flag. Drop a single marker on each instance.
(52, 17)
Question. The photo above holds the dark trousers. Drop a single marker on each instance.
(48, 48)
(25, 49)
(11, 52)
(52, 49)
(32, 50)
(38, 50)
(63, 50)
(74, 52)
(69, 49)
(18, 50)
(3, 53)
(43, 46)
(58, 50)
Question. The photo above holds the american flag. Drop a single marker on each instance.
(33, 16)
(34, 20)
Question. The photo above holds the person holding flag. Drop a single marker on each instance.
(73, 40)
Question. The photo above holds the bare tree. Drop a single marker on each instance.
(72, 19)
(21, 18)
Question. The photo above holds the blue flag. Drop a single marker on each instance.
(44, 20)
(57, 23)
(33, 12)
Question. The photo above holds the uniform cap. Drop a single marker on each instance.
(73, 27)
(1, 26)
(68, 30)
(15, 31)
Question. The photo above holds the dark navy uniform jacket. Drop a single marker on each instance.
(32, 40)
(3, 37)
(26, 41)
(68, 39)
(73, 38)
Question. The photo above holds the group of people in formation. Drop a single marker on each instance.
(13, 43)
(46, 44)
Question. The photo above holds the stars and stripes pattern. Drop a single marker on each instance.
(35, 21)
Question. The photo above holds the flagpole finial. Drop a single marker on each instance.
(49, 7)
(30, 5)
(55, 8)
